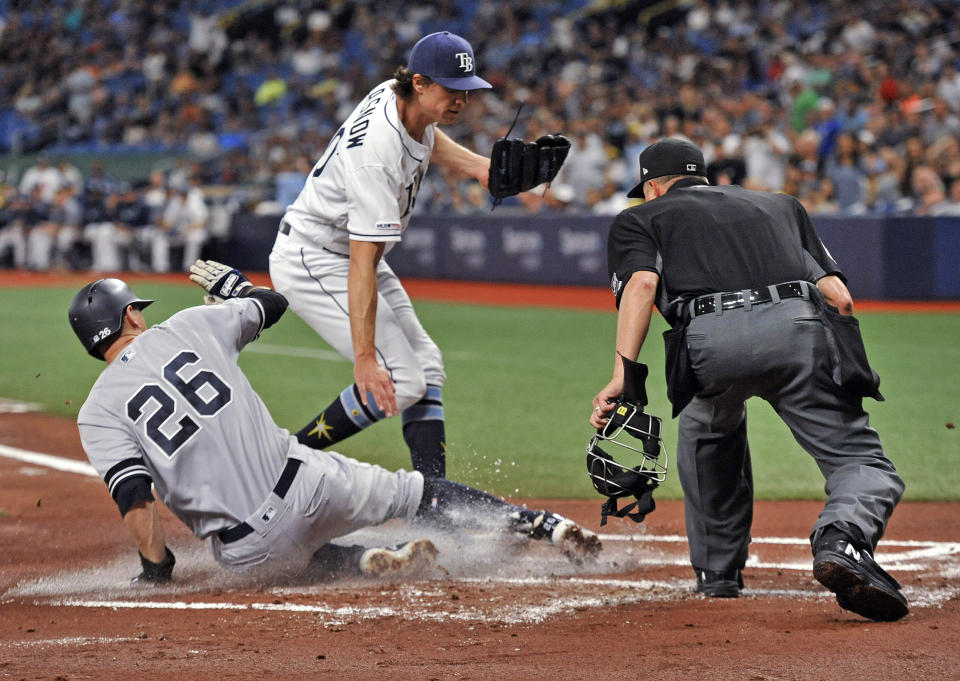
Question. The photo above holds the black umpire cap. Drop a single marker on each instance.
(669, 156)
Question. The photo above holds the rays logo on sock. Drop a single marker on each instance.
(321, 429)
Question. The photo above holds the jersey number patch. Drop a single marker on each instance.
(218, 392)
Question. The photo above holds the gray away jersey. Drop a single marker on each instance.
(175, 406)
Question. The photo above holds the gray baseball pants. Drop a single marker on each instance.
(776, 351)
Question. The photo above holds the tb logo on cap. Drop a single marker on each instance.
(466, 61)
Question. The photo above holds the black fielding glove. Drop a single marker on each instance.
(517, 166)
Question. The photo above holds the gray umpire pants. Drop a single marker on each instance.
(776, 351)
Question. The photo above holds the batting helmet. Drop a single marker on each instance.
(96, 312)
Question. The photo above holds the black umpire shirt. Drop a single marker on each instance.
(704, 239)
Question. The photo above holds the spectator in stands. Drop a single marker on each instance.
(609, 200)
(929, 195)
(727, 166)
(99, 181)
(950, 207)
(106, 240)
(766, 151)
(885, 176)
(13, 241)
(948, 86)
(107, 77)
(51, 243)
(585, 163)
(43, 175)
(134, 214)
(848, 176)
(183, 224)
(70, 176)
(939, 123)
(155, 196)
(27, 212)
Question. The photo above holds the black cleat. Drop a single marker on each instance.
(727, 584)
(860, 584)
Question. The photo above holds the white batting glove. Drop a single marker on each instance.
(218, 280)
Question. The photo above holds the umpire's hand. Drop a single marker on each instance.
(605, 401)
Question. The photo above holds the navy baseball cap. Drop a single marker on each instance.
(447, 59)
(669, 156)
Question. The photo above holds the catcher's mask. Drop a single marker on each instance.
(613, 479)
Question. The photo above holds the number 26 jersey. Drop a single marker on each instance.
(174, 407)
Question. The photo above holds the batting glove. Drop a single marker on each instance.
(156, 572)
(220, 281)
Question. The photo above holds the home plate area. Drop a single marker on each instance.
(487, 577)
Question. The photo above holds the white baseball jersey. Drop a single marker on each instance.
(175, 406)
(365, 186)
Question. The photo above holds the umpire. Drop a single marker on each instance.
(757, 307)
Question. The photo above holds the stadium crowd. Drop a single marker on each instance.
(852, 107)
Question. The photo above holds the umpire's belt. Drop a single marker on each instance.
(237, 532)
(728, 301)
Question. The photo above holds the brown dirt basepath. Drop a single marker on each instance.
(67, 612)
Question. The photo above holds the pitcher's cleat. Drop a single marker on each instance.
(409, 558)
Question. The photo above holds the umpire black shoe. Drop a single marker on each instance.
(727, 584)
(850, 572)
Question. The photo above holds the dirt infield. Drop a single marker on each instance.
(496, 610)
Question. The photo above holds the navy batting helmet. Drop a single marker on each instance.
(96, 313)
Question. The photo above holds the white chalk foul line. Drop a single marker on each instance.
(905, 561)
(69, 641)
(416, 606)
(14, 407)
(56, 462)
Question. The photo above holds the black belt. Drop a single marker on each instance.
(232, 534)
(734, 299)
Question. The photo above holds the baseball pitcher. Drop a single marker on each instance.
(354, 207)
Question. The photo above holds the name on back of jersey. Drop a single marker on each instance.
(358, 129)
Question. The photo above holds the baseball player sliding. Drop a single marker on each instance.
(172, 409)
(355, 205)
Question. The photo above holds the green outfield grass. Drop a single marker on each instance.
(520, 382)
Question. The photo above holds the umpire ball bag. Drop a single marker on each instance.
(630, 433)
